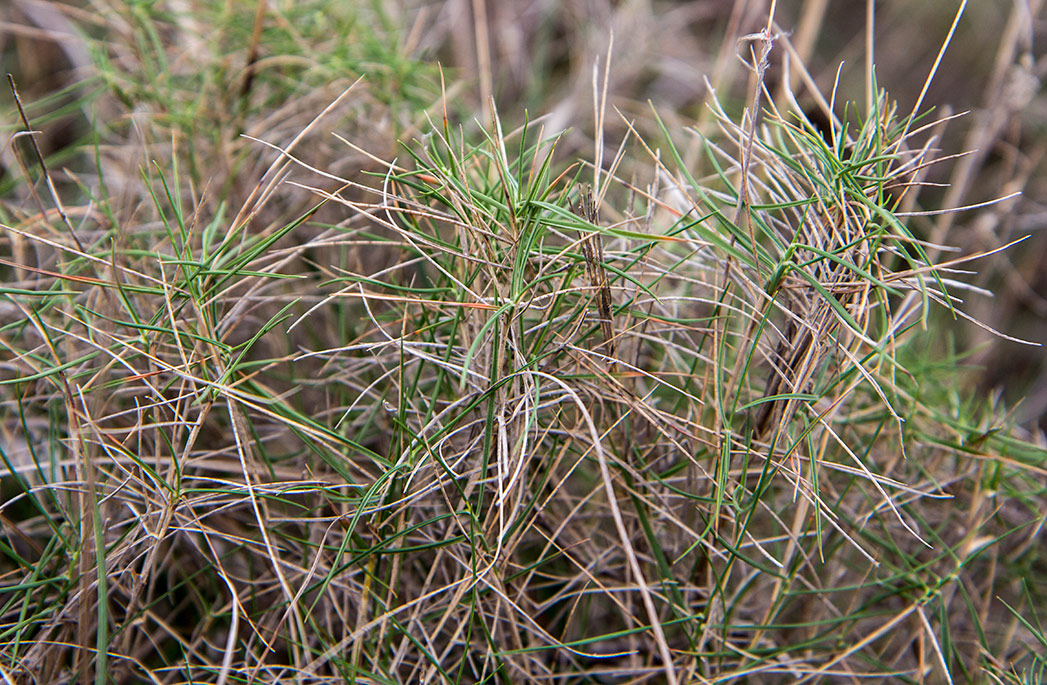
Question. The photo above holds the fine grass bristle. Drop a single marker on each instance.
(323, 362)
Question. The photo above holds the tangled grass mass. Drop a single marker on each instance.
(326, 360)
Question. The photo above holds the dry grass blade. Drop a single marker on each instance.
(592, 251)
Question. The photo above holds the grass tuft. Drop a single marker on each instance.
(439, 398)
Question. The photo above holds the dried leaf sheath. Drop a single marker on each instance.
(592, 251)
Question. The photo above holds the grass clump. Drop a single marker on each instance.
(478, 410)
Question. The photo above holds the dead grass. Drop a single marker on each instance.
(313, 378)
